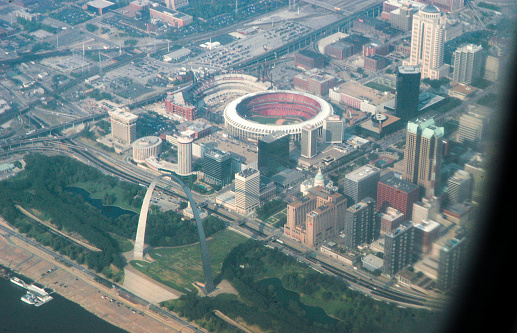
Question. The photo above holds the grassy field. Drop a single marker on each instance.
(276, 217)
(179, 267)
(124, 244)
(272, 120)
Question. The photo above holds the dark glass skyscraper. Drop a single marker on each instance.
(273, 153)
(408, 91)
(217, 167)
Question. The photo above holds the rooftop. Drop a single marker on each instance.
(431, 9)
(247, 172)
(362, 92)
(394, 180)
(273, 136)
(408, 69)
(100, 3)
(362, 172)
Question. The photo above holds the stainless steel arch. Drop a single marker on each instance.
(142, 221)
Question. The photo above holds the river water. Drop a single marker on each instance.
(58, 315)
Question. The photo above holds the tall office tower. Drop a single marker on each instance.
(451, 263)
(398, 249)
(360, 223)
(476, 167)
(217, 167)
(425, 209)
(184, 155)
(390, 219)
(427, 43)
(309, 142)
(468, 63)
(492, 68)
(426, 233)
(459, 187)
(247, 190)
(175, 4)
(394, 192)
(402, 18)
(408, 92)
(316, 216)
(123, 126)
(273, 153)
(333, 129)
(361, 183)
(423, 155)
(472, 127)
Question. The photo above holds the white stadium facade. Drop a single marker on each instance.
(282, 105)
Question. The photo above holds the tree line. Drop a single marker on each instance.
(258, 303)
(41, 186)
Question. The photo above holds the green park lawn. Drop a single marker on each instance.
(179, 267)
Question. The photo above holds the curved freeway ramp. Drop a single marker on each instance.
(142, 221)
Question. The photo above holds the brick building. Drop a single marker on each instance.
(394, 192)
(176, 104)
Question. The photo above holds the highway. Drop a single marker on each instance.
(250, 227)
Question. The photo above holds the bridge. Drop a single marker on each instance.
(142, 221)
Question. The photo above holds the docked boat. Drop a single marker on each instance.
(36, 300)
(29, 299)
(43, 299)
(18, 282)
(38, 289)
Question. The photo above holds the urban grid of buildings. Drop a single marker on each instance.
(370, 168)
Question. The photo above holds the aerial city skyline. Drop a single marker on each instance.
(175, 165)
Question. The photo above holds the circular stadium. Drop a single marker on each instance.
(261, 113)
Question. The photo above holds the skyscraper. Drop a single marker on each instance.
(361, 183)
(423, 155)
(472, 126)
(217, 167)
(184, 155)
(398, 249)
(360, 223)
(333, 129)
(273, 153)
(451, 263)
(402, 18)
(468, 63)
(123, 126)
(408, 92)
(427, 43)
(247, 190)
(309, 142)
(459, 187)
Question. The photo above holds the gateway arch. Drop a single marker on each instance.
(142, 221)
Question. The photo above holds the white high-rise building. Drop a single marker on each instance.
(247, 190)
(427, 43)
(184, 155)
(175, 4)
(309, 141)
(123, 126)
(468, 63)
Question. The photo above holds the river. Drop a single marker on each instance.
(58, 315)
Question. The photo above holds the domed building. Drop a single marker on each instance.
(318, 180)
